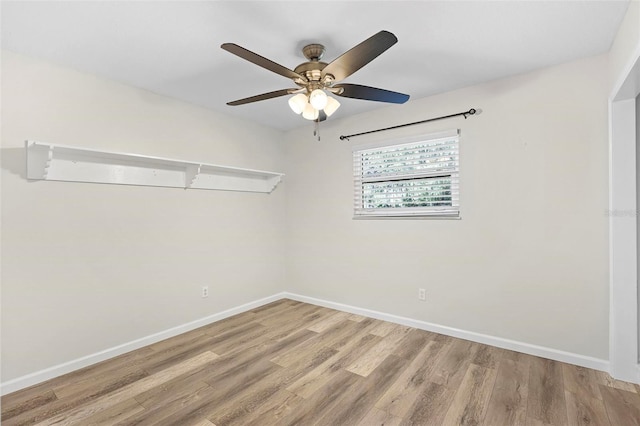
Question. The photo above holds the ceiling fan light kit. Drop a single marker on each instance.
(332, 106)
(311, 105)
(318, 99)
(315, 78)
(310, 113)
(298, 102)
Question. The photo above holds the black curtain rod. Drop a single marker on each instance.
(464, 114)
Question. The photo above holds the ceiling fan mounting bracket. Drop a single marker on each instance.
(313, 52)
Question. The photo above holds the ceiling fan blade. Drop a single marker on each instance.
(261, 61)
(357, 91)
(262, 97)
(360, 55)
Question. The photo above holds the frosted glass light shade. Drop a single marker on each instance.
(318, 99)
(310, 113)
(298, 102)
(332, 106)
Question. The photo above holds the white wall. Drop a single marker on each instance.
(87, 267)
(529, 259)
(625, 44)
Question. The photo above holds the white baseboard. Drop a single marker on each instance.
(67, 367)
(541, 351)
(76, 364)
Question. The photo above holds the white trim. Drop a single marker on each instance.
(436, 215)
(623, 337)
(76, 364)
(623, 280)
(527, 348)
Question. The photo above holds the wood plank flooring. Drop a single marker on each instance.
(291, 363)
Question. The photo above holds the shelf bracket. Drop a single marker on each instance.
(192, 171)
(39, 160)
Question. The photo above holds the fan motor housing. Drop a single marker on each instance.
(311, 70)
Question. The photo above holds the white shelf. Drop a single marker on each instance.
(65, 163)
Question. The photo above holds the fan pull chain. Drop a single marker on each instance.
(316, 130)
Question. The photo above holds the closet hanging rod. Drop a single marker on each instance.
(464, 114)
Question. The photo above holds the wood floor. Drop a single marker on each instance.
(291, 363)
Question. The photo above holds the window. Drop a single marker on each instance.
(410, 178)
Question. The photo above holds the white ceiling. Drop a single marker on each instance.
(173, 47)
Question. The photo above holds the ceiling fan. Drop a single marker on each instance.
(315, 78)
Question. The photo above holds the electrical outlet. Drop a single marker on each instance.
(205, 291)
(422, 294)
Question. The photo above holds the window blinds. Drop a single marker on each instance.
(417, 178)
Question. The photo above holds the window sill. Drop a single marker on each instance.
(410, 217)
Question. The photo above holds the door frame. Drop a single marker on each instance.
(623, 224)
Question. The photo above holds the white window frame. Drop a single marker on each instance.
(452, 172)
